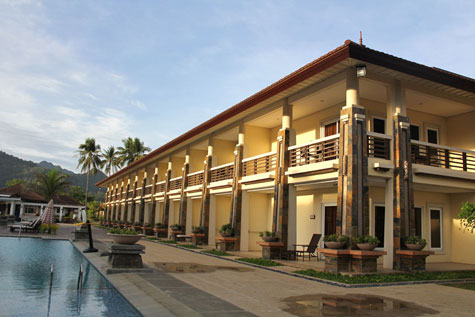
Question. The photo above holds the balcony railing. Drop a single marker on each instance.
(160, 187)
(379, 145)
(130, 194)
(175, 183)
(148, 189)
(259, 164)
(321, 150)
(222, 172)
(195, 178)
(442, 156)
(138, 192)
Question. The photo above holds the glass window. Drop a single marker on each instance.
(418, 213)
(415, 132)
(435, 228)
(379, 125)
(331, 128)
(432, 136)
(379, 222)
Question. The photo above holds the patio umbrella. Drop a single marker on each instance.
(48, 215)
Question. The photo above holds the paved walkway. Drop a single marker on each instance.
(186, 283)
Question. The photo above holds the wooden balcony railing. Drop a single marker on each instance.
(379, 145)
(321, 150)
(130, 194)
(222, 172)
(160, 187)
(175, 183)
(138, 192)
(148, 189)
(195, 178)
(442, 156)
(259, 164)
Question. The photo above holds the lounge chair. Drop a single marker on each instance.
(34, 226)
(310, 249)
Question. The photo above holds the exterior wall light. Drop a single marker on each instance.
(360, 70)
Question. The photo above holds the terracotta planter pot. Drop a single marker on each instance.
(334, 245)
(415, 247)
(366, 246)
(226, 235)
(125, 238)
(270, 239)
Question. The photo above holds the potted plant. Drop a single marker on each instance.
(161, 226)
(124, 236)
(197, 229)
(226, 230)
(137, 226)
(268, 236)
(148, 228)
(367, 243)
(334, 241)
(176, 228)
(415, 243)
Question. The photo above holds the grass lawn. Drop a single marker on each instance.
(152, 238)
(260, 261)
(470, 286)
(167, 241)
(388, 278)
(189, 246)
(217, 252)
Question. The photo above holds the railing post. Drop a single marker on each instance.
(464, 161)
(447, 158)
(428, 155)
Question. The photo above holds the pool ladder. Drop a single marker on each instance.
(79, 287)
(51, 275)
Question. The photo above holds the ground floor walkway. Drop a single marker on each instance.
(185, 283)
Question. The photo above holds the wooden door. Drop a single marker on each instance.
(331, 129)
(330, 220)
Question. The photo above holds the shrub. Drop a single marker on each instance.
(197, 229)
(175, 227)
(161, 225)
(217, 252)
(123, 231)
(467, 216)
(266, 234)
(367, 239)
(260, 261)
(226, 229)
(416, 240)
(54, 228)
(336, 238)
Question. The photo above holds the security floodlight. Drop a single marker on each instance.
(360, 70)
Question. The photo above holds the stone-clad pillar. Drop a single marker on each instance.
(236, 198)
(205, 198)
(166, 201)
(403, 208)
(142, 201)
(353, 199)
(285, 138)
(184, 184)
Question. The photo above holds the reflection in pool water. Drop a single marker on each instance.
(25, 277)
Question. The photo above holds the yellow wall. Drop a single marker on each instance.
(462, 131)
(462, 240)
(162, 170)
(176, 213)
(196, 212)
(260, 217)
(197, 158)
(258, 140)
(223, 151)
(223, 208)
(425, 120)
(177, 165)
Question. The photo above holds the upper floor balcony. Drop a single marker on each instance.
(259, 168)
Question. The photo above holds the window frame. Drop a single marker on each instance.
(379, 118)
(329, 121)
(441, 218)
(422, 219)
(418, 129)
(377, 204)
(437, 130)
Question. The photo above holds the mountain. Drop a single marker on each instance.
(13, 167)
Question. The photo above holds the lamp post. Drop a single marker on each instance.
(89, 229)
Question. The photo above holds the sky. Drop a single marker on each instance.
(155, 69)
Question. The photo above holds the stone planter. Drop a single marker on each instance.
(415, 247)
(161, 232)
(270, 239)
(366, 246)
(334, 245)
(226, 235)
(125, 238)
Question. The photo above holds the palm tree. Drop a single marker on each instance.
(110, 160)
(51, 184)
(89, 160)
(132, 150)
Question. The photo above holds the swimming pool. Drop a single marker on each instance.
(25, 282)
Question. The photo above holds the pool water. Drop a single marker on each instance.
(25, 265)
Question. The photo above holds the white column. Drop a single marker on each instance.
(147, 213)
(212, 221)
(245, 221)
(189, 215)
(286, 116)
(22, 209)
(137, 212)
(61, 213)
(292, 237)
(352, 88)
(171, 213)
(12, 208)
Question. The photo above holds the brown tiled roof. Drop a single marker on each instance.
(25, 195)
(348, 50)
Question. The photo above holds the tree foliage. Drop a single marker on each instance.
(111, 160)
(15, 181)
(132, 150)
(50, 185)
(467, 216)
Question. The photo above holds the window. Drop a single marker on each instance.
(415, 132)
(379, 223)
(331, 128)
(433, 136)
(379, 125)
(435, 228)
(418, 224)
